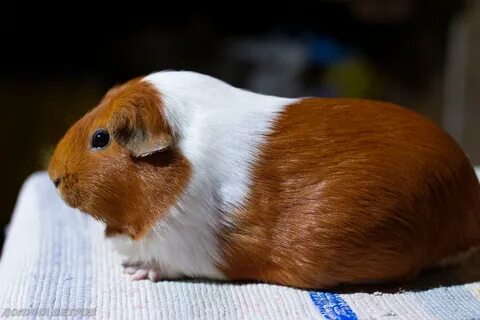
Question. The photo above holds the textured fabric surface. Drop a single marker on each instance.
(56, 263)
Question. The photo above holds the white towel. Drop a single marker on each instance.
(56, 263)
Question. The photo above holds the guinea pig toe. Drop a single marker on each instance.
(130, 270)
(140, 274)
(154, 275)
(143, 271)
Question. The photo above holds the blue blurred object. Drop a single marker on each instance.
(325, 50)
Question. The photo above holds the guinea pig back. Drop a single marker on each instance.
(353, 191)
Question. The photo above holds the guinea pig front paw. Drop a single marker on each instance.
(143, 271)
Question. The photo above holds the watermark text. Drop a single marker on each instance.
(44, 312)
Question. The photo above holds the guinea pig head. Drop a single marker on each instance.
(119, 162)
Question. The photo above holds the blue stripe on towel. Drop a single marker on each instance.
(332, 306)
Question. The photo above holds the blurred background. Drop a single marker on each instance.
(55, 66)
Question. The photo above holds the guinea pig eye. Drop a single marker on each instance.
(100, 139)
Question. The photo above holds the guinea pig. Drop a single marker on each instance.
(193, 177)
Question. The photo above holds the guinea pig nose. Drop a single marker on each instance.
(56, 182)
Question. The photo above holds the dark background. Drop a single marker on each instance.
(56, 63)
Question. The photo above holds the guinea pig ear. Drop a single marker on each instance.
(140, 128)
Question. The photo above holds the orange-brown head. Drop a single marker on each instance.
(118, 163)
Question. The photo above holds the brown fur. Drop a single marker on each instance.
(352, 191)
(128, 192)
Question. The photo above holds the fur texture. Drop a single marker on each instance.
(353, 191)
(202, 179)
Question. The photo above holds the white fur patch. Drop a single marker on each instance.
(219, 128)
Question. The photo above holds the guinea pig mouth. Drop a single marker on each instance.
(71, 198)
